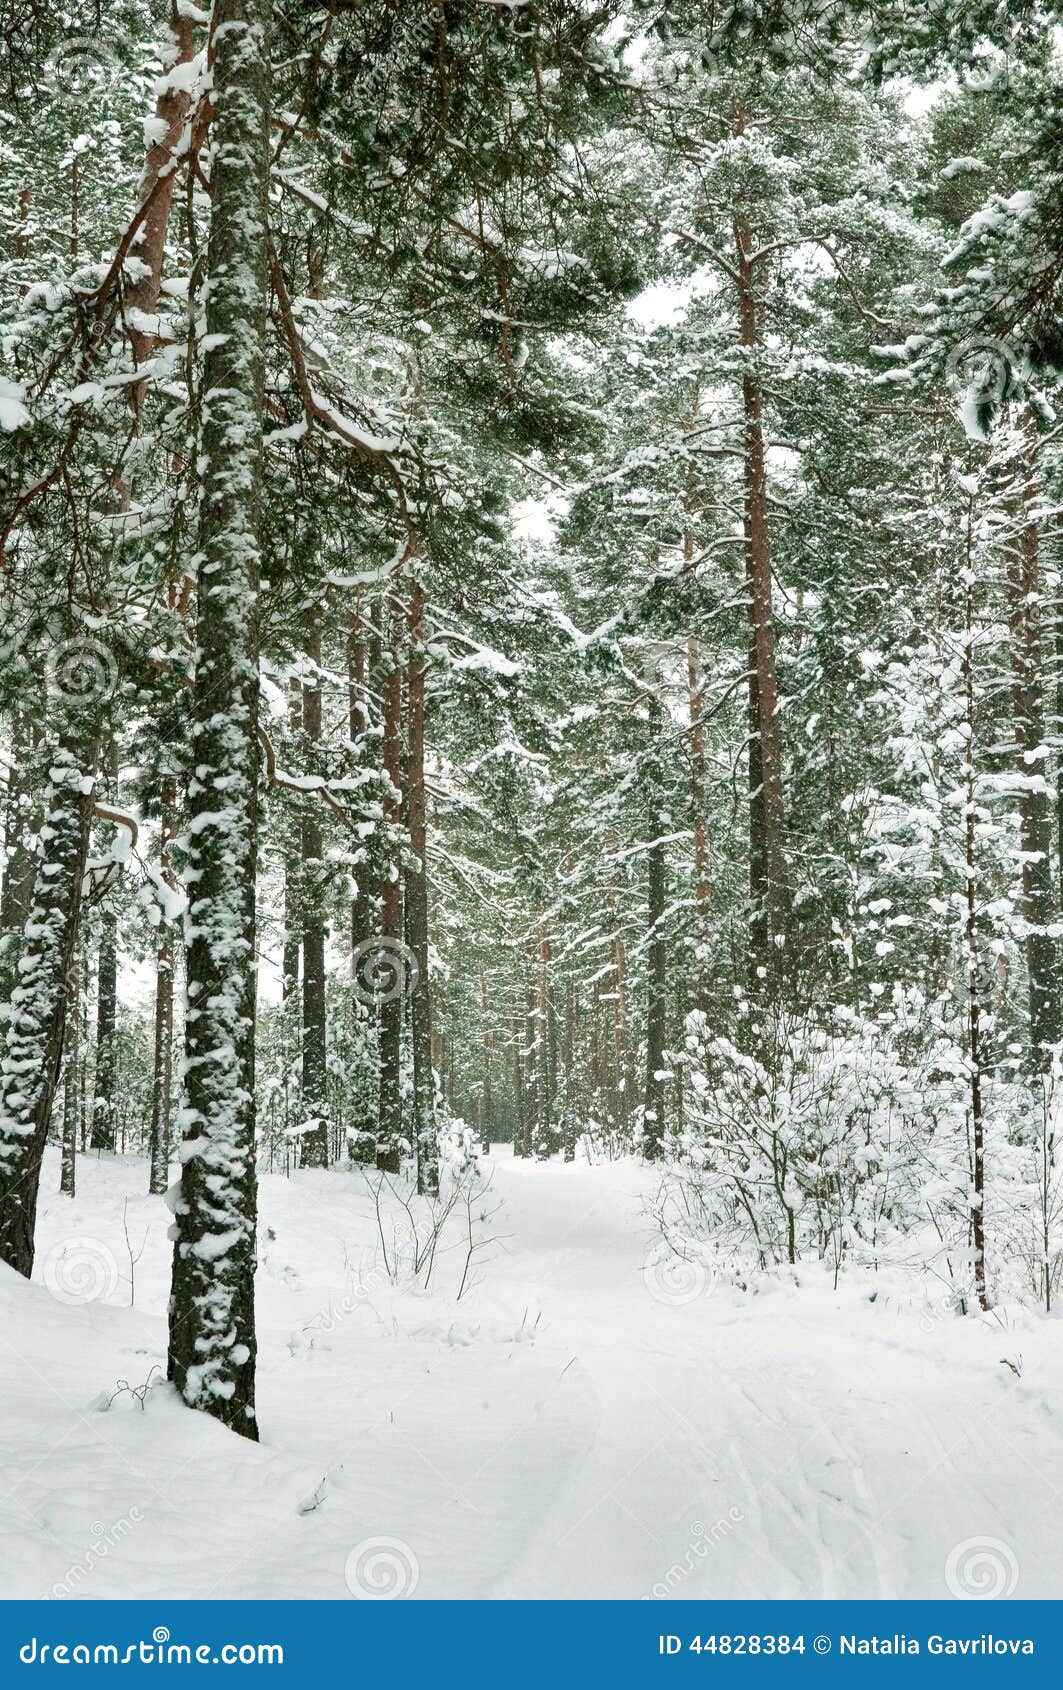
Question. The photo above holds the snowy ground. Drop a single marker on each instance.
(574, 1427)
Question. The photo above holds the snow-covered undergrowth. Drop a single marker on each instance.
(848, 1140)
(588, 1419)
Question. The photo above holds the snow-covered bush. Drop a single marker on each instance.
(847, 1139)
(834, 1139)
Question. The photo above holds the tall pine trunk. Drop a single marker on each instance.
(702, 885)
(544, 1064)
(102, 1127)
(568, 1058)
(291, 1003)
(623, 1100)
(157, 183)
(212, 1320)
(487, 1111)
(768, 872)
(34, 1029)
(103, 1098)
(657, 970)
(520, 1090)
(358, 723)
(20, 866)
(362, 1129)
(162, 1059)
(390, 1142)
(68, 1166)
(974, 988)
(315, 1033)
(1035, 799)
(425, 1137)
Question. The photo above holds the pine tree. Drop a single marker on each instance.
(212, 1322)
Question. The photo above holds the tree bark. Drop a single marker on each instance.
(702, 884)
(521, 1134)
(358, 724)
(425, 1135)
(102, 1134)
(157, 182)
(362, 1130)
(568, 1129)
(544, 1076)
(212, 1324)
(487, 1114)
(1035, 798)
(653, 1113)
(974, 998)
(315, 1138)
(768, 871)
(68, 1166)
(533, 1079)
(33, 1032)
(162, 1062)
(624, 1102)
(290, 950)
(390, 1141)
(20, 865)
(102, 1128)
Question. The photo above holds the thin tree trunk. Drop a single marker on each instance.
(68, 1168)
(487, 1119)
(653, 1113)
(314, 1070)
(520, 1105)
(103, 1100)
(106, 1069)
(621, 1042)
(593, 1059)
(290, 951)
(544, 1085)
(390, 1141)
(212, 1324)
(568, 1134)
(157, 182)
(20, 865)
(358, 723)
(702, 885)
(521, 1127)
(974, 1002)
(363, 1132)
(162, 1063)
(533, 1088)
(768, 870)
(34, 1029)
(1035, 799)
(162, 1072)
(425, 1136)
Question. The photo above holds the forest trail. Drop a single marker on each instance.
(560, 1431)
(800, 1443)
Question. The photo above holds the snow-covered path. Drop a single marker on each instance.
(575, 1427)
(799, 1444)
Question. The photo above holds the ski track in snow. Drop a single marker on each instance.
(557, 1433)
